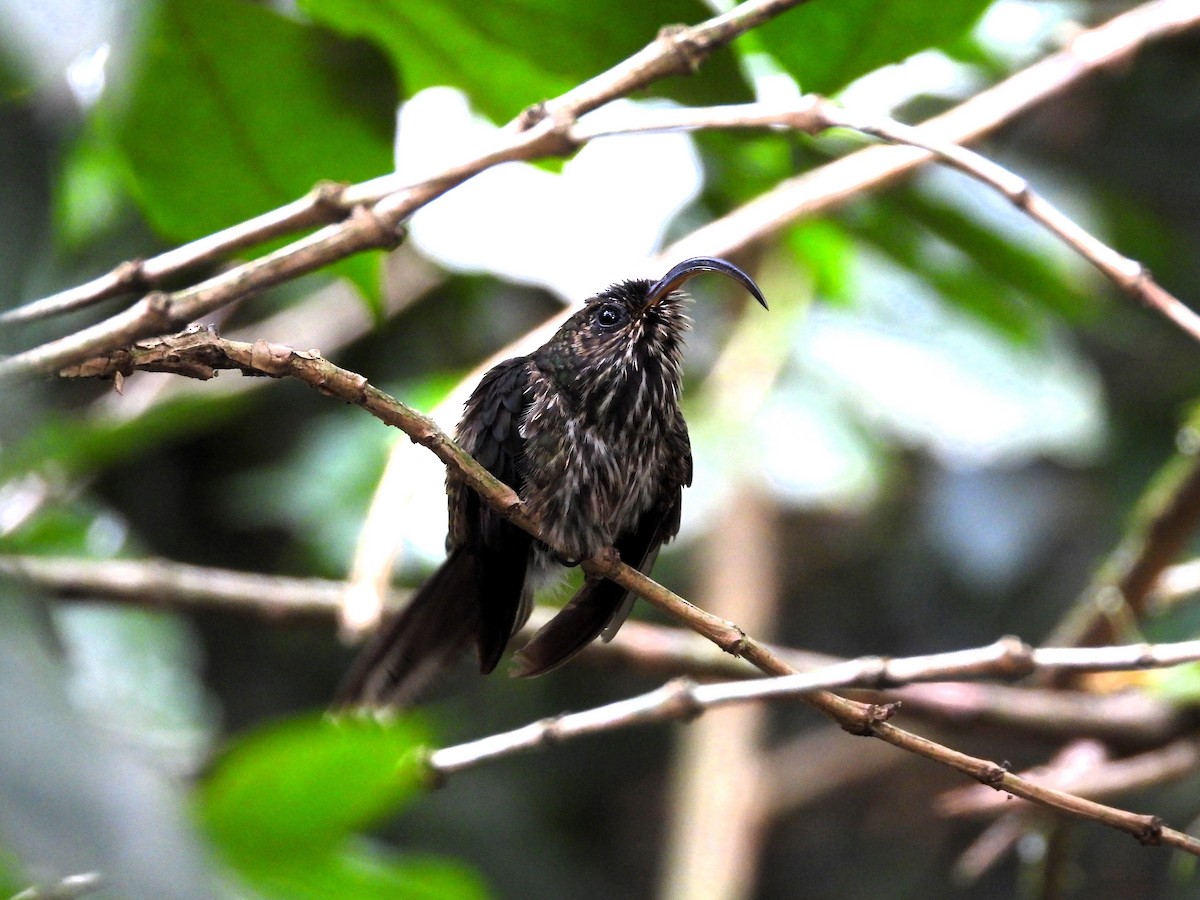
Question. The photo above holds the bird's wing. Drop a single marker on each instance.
(601, 606)
(491, 432)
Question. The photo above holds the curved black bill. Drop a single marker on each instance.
(694, 266)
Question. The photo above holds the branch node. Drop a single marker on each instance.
(387, 235)
(875, 672)
(870, 716)
(1016, 656)
(549, 729)
(327, 198)
(1022, 195)
(531, 115)
(1151, 831)
(682, 703)
(158, 309)
(738, 644)
(994, 775)
(131, 274)
(270, 359)
(682, 46)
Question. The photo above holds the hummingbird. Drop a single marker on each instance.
(588, 430)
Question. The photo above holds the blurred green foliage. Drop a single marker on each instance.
(285, 807)
(825, 46)
(509, 56)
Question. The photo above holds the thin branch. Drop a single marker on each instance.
(683, 699)
(1110, 44)
(812, 115)
(1100, 778)
(324, 204)
(160, 582)
(1127, 274)
(380, 206)
(1131, 719)
(391, 200)
(1174, 584)
(160, 312)
(168, 583)
(862, 719)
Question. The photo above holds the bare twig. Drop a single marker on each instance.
(1175, 584)
(324, 204)
(160, 581)
(1127, 274)
(159, 312)
(683, 699)
(1101, 777)
(391, 200)
(200, 352)
(717, 793)
(376, 209)
(163, 582)
(813, 114)
(1110, 44)
(1130, 718)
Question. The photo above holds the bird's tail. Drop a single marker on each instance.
(419, 641)
(594, 607)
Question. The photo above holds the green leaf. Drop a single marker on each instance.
(231, 110)
(1009, 262)
(307, 785)
(952, 273)
(360, 874)
(1178, 684)
(10, 882)
(826, 44)
(827, 253)
(284, 806)
(90, 193)
(506, 56)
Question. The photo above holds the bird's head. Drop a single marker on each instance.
(631, 329)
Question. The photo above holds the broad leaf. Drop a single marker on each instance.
(230, 110)
(506, 56)
(284, 807)
(826, 44)
(307, 785)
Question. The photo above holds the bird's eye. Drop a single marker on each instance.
(610, 316)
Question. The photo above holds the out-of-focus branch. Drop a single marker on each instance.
(814, 114)
(1131, 718)
(1166, 518)
(717, 794)
(160, 582)
(1127, 274)
(1175, 584)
